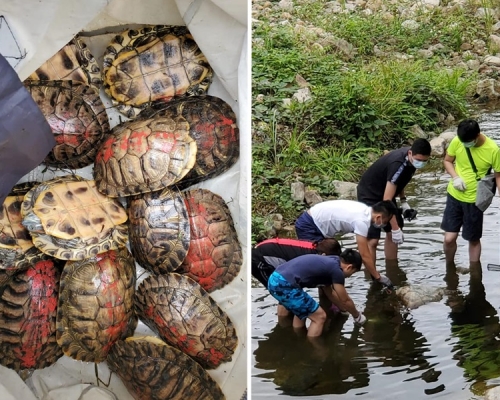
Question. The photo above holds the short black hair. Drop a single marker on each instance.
(468, 130)
(328, 246)
(351, 256)
(421, 146)
(386, 207)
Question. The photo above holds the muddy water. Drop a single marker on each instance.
(447, 349)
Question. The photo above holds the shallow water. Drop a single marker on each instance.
(447, 349)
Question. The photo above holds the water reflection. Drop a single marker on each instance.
(476, 325)
(299, 366)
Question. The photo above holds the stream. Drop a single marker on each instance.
(448, 349)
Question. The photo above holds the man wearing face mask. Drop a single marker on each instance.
(460, 210)
(338, 217)
(386, 179)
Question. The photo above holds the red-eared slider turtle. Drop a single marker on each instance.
(73, 62)
(212, 123)
(77, 117)
(143, 156)
(183, 314)
(159, 230)
(414, 296)
(154, 63)
(28, 303)
(16, 247)
(70, 220)
(214, 257)
(96, 304)
(152, 370)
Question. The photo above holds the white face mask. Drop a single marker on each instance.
(419, 164)
(469, 144)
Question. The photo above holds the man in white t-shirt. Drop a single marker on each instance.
(338, 217)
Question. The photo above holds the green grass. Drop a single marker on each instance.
(361, 103)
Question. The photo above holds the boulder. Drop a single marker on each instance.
(345, 190)
(414, 296)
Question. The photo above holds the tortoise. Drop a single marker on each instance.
(152, 370)
(28, 303)
(212, 123)
(144, 155)
(214, 257)
(158, 230)
(69, 219)
(184, 315)
(95, 306)
(77, 118)
(414, 296)
(16, 247)
(154, 63)
(73, 62)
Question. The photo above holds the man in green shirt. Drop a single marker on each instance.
(460, 210)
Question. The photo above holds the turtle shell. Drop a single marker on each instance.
(183, 314)
(28, 303)
(143, 156)
(214, 257)
(414, 296)
(77, 118)
(73, 62)
(16, 247)
(212, 123)
(96, 304)
(152, 370)
(159, 230)
(154, 63)
(70, 220)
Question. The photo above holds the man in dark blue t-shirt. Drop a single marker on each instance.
(386, 179)
(286, 284)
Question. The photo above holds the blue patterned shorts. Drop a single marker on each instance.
(293, 298)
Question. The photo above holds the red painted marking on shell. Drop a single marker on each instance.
(167, 142)
(106, 151)
(215, 357)
(113, 333)
(40, 323)
(68, 139)
(135, 141)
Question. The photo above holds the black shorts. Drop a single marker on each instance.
(467, 216)
(261, 271)
(374, 233)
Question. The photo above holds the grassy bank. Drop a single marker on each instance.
(371, 76)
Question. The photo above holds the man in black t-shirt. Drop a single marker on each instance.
(386, 179)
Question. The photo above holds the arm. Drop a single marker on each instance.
(366, 256)
(346, 301)
(497, 180)
(449, 166)
(389, 194)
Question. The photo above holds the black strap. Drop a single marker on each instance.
(474, 165)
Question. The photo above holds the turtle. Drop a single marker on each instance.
(158, 230)
(214, 257)
(154, 63)
(413, 296)
(144, 155)
(16, 247)
(28, 304)
(152, 370)
(95, 306)
(212, 123)
(184, 315)
(73, 62)
(77, 118)
(69, 219)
